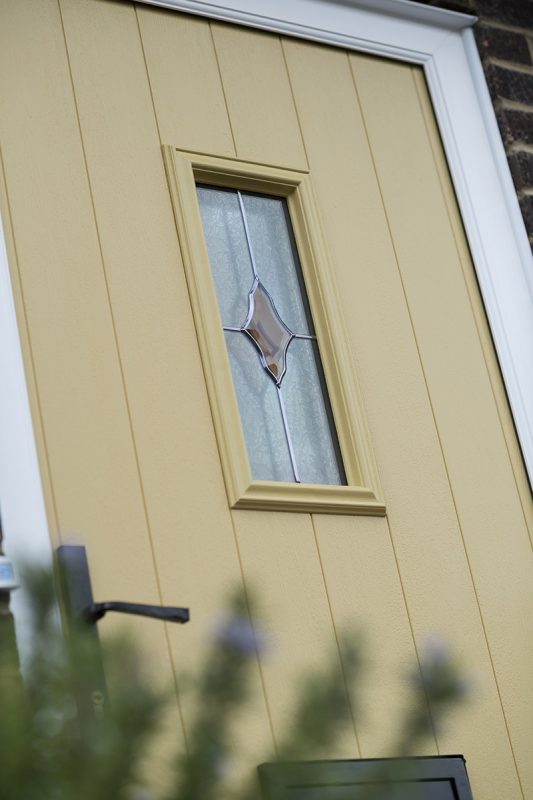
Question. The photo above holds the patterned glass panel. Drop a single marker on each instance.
(285, 411)
(258, 403)
(229, 256)
(309, 416)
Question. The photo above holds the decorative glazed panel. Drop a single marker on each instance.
(271, 338)
(279, 381)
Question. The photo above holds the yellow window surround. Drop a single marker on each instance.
(363, 494)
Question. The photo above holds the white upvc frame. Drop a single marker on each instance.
(443, 43)
(24, 519)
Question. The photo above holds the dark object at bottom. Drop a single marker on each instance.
(423, 778)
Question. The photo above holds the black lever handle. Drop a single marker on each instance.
(77, 593)
(96, 611)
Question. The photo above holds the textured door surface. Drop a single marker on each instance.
(89, 91)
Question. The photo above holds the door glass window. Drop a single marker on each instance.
(272, 346)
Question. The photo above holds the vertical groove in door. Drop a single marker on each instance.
(185, 81)
(259, 97)
(223, 90)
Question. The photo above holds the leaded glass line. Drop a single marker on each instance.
(294, 335)
(288, 435)
(248, 237)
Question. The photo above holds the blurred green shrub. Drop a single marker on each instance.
(56, 743)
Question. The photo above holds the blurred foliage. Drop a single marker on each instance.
(61, 739)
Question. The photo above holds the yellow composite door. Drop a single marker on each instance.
(130, 459)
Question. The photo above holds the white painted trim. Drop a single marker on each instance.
(271, 14)
(24, 522)
(443, 43)
(396, 28)
(495, 229)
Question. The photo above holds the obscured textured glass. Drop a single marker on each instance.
(261, 419)
(309, 416)
(285, 411)
(228, 254)
(277, 260)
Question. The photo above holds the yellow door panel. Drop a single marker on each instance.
(190, 526)
(182, 65)
(482, 483)
(258, 96)
(128, 446)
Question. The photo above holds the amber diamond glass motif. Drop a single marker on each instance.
(267, 331)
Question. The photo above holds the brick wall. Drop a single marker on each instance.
(504, 35)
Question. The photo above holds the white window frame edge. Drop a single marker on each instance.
(24, 520)
(443, 43)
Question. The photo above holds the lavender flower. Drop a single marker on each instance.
(238, 634)
(438, 674)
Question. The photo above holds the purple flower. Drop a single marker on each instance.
(439, 676)
(436, 652)
(238, 634)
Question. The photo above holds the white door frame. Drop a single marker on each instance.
(24, 520)
(443, 43)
